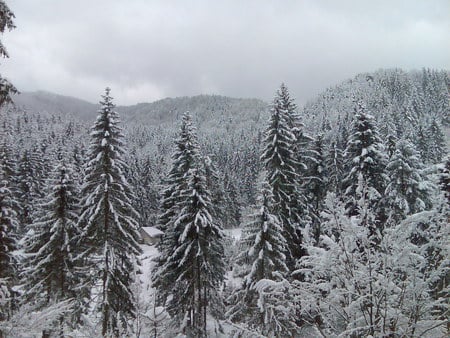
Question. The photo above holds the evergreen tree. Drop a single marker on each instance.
(317, 186)
(281, 167)
(8, 244)
(6, 22)
(334, 162)
(355, 290)
(408, 190)
(109, 229)
(215, 186)
(191, 267)
(50, 274)
(260, 302)
(184, 158)
(367, 162)
(195, 266)
(436, 142)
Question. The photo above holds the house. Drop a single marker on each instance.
(150, 235)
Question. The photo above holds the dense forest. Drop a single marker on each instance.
(326, 220)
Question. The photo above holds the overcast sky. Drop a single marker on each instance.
(149, 49)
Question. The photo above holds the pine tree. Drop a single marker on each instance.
(317, 186)
(367, 162)
(259, 301)
(6, 22)
(334, 163)
(50, 274)
(195, 266)
(281, 167)
(184, 158)
(191, 266)
(8, 244)
(355, 290)
(436, 142)
(109, 229)
(218, 200)
(408, 190)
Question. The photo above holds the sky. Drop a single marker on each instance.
(146, 50)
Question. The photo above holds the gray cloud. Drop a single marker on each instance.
(146, 50)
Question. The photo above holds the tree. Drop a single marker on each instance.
(262, 299)
(436, 142)
(50, 274)
(108, 222)
(408, 190)
(317, 186)
(184, 158)
(367, 161)
(6, 22)
(353, 289)
(8, 245)
(281, 169)
(192, 265)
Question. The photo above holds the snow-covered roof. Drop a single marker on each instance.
(152, 231)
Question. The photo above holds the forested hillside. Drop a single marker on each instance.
(343, 206)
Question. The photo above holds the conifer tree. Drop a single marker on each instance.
(109, 229)
(214, 184)
(8, 244)
(263, 301)
(317, 186)
(184, 158)
(408, 190)
(281, 167)
(366, 160)
(192, 266)
(6, 22)
(436, 142)
(50, 273)
(352, 289)
(334, 163)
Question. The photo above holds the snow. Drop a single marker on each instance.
(152, 231)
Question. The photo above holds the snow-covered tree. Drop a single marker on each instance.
(408, 190)
(436, 142)
(6, 22)
(8, 245)
(109, 229)
(191, 267)
(50, 274)
(264, 300)
(184, 158)
(354, 289)
(366, 160)
(282, 171)
(334, 163)
(317, 182)
(195, 267)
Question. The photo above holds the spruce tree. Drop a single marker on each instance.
(436, 142)
(6, 22)
(282, 172)
(191, 268)
(366, 160)
(50, 273)
(264, 294)
(109, 229)
(317, 186)
(184, 158)
(8, 244)
(408, 190)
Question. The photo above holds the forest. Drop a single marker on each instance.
(326, 220)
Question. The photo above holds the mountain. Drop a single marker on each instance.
(208, 110)
(46, 102)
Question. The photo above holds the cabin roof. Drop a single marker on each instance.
(152, 231)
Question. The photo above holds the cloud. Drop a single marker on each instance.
(146, 50)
